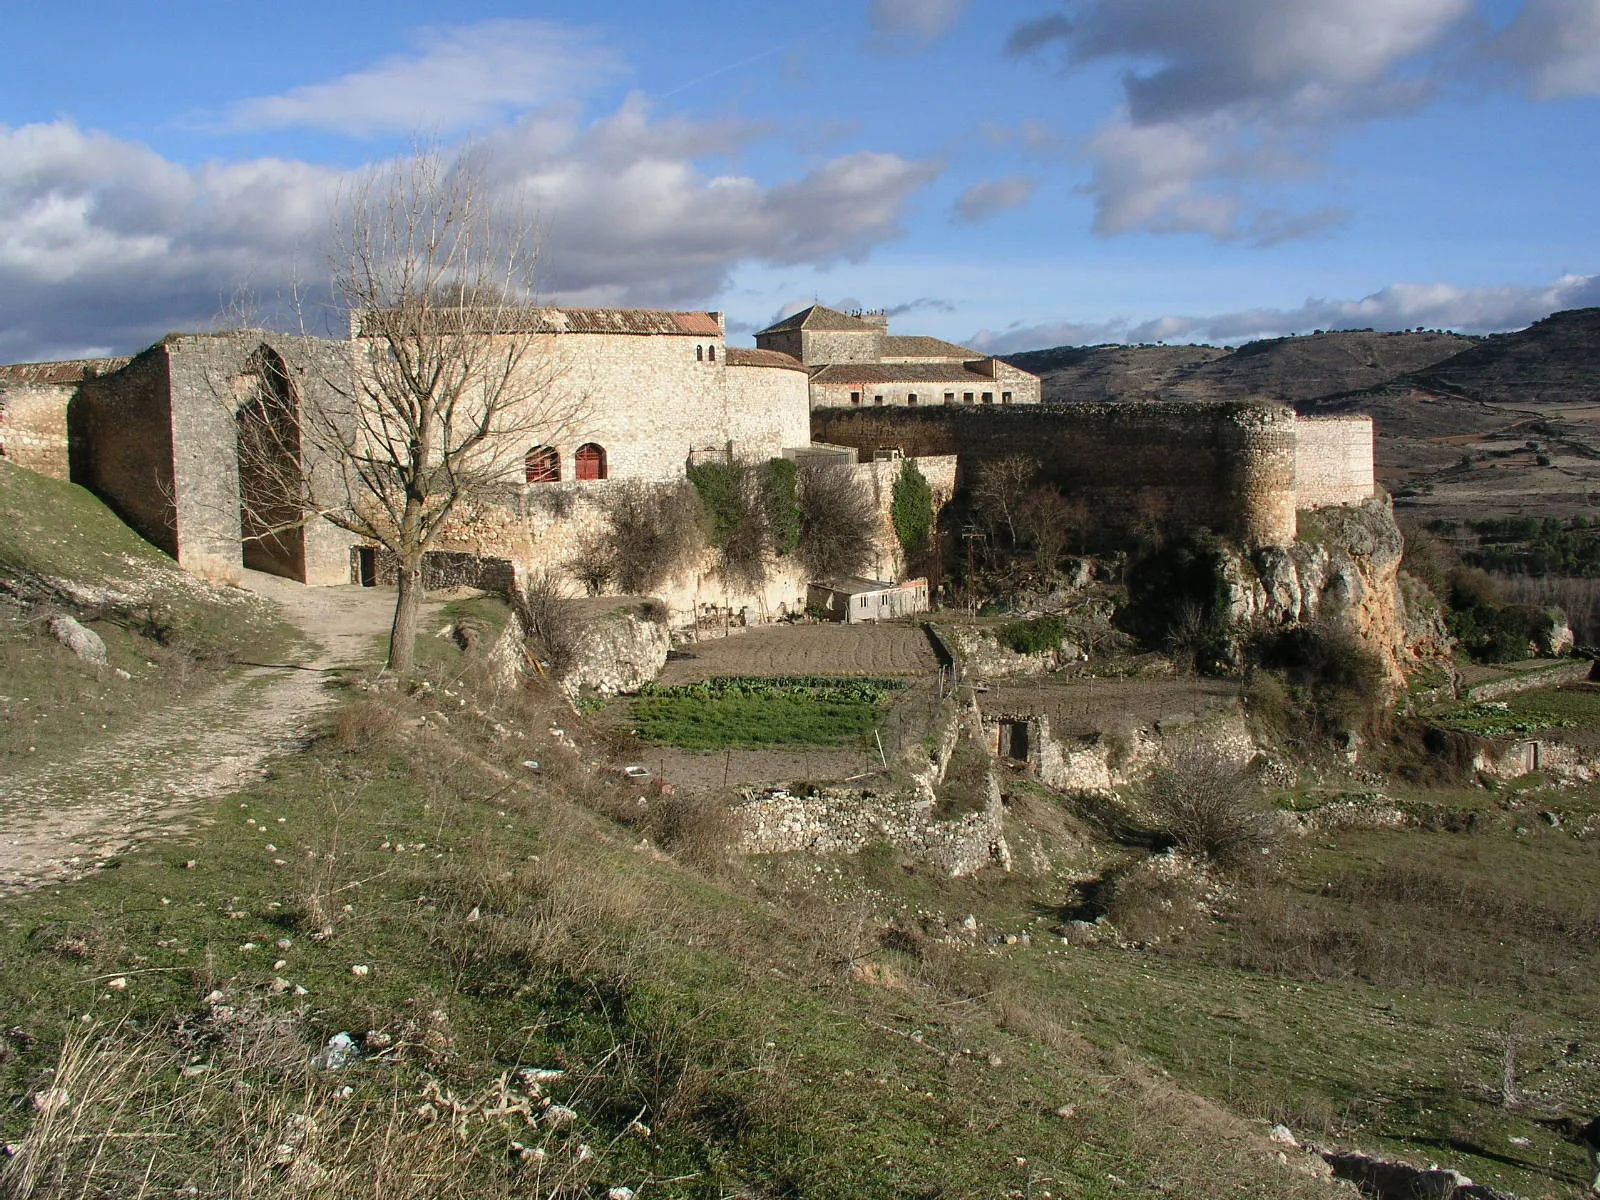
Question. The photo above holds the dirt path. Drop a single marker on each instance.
(62, 819)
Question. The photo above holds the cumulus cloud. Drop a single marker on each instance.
(457, 77)
(1399, 306)
(105, 245)
(1222, 99)
(1555, 46)
(984, 200)
(919, 20)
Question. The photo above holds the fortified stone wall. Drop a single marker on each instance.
(120, 428)
(1228, 467)
(33, 426)
(1333, 459)
(879, 480)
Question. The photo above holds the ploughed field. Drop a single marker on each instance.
(805, 650)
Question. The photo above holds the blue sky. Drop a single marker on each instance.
(1008, 173)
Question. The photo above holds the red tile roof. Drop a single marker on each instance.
(821, 317)
(71, 370)
(931, 373)
(576, 320)
(740, 356)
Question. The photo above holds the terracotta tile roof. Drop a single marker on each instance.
(820, 317)
(71, 370)
(581, 320)
(930, 373)
(898, 346)
(739, 356)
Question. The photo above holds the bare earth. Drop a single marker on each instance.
(806, 650)
(61, 819)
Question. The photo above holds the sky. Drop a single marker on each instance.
(1010, 174)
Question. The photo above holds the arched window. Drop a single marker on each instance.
(544, 465)
(711, 353)
(591, 461)
(699, 354)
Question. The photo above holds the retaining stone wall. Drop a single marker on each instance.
(33, 426)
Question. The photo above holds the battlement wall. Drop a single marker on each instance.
(1333, 461)
(1227, 467)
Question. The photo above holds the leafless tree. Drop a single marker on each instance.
(837, 522)
(450, 378)
(1050, 521)
(1000, 487)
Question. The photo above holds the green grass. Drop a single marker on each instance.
(761, 712)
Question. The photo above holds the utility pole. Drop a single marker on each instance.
(971, 535)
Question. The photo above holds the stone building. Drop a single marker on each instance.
(854, 361)
(33, 410)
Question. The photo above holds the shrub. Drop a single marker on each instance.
(1177, 601)
(1209, 805)
(753, 511)
(549, 620)
(653, 530)
(911, 508)
(837, 522)
(1338, 683)
(1037, 636)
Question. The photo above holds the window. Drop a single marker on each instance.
(711, 353)
(699, 354)
(988, 397)
(855, 397)
(1005, 397)
(877, 399)
(863, 602)
(912, 399)
(949, 397)
(591, 461)
(544, 465)
(966, 397)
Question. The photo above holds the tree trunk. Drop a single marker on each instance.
(407, 607)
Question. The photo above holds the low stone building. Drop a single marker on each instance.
(853, 360)
(856, 601)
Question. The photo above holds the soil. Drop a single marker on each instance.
(63, 819)
(806, 650)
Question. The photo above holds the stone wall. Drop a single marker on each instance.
(120, 428)
(1333, 459)
(1228, 467)
(33, 426)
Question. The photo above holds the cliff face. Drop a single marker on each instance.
(1345, 568)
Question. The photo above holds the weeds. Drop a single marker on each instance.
(1209, 804)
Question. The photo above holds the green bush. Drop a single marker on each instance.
(1037, 636)
(911, 508)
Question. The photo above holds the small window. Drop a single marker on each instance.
(988, 397)
(855, 397)
(699, 354)
(591, 461)
(711, 353)
(863, 602)
(912, 399)
(949, 397)
(966, 397)
(544, 465)
(1005, 397)
(877, 399)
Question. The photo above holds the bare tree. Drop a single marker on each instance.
(999, 488)
(837, 522)
(450, 379)
(1051, 522)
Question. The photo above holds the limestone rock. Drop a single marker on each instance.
(618, 653)
(83, 642)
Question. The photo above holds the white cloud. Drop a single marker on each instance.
(984, 200)
(1399, 306)
(916, 19)
(457, 77)
(1555, 46)
(1224, 99)
(103, 243)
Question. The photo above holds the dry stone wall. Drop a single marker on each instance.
(1229, 467)
(33, 427)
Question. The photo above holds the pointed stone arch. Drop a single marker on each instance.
(271, 479)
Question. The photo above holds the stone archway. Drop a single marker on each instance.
(271, 507)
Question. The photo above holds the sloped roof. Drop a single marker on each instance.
(912, 346)
(644, 321)
(740, 356)
(930, 373)
(70, 370)
(821, 317)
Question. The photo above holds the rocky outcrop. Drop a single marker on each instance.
(79, 639)
(619, 652)
(1345, 569)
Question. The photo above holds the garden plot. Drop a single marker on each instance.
(1080, 706)
(882, 650)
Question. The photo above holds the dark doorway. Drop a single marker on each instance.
(271, 508)
(1014, 740)
(367, 565)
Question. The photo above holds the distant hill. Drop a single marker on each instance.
(1553, 361)
(1292, 369)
